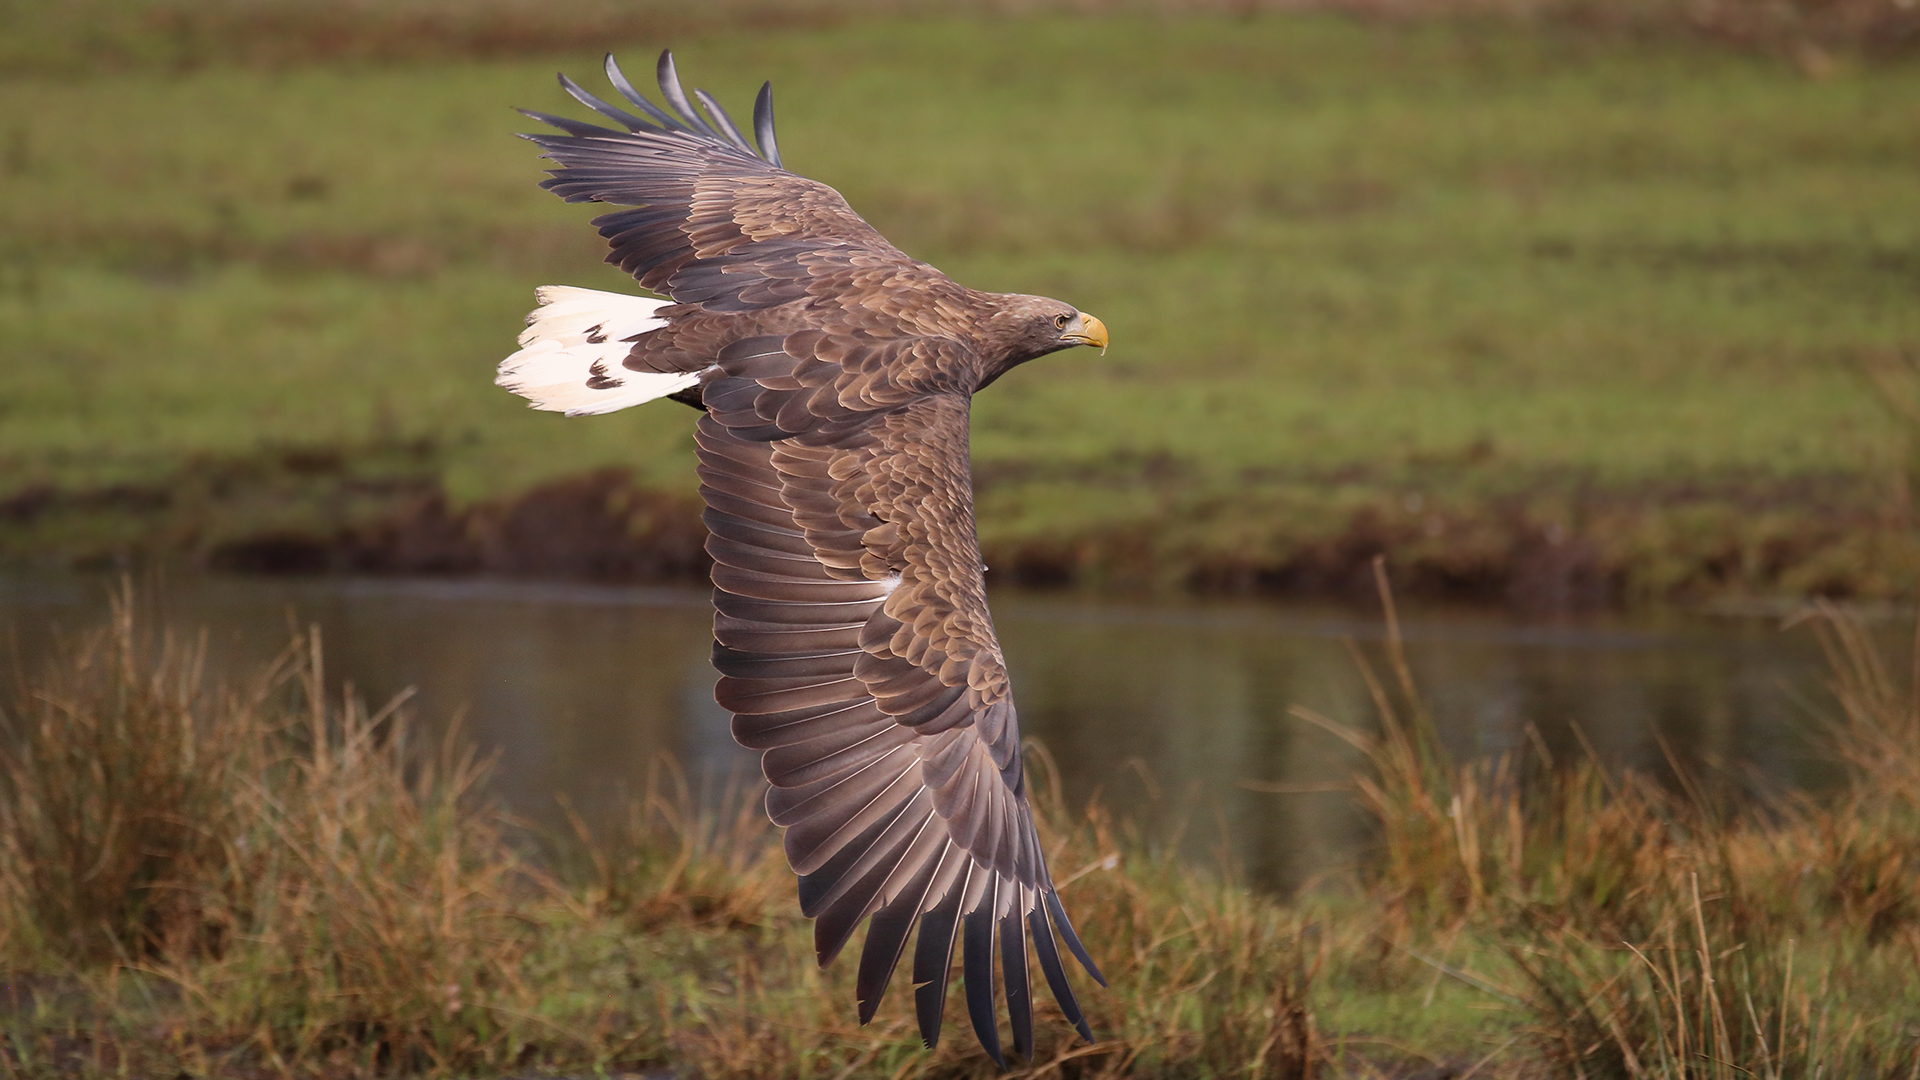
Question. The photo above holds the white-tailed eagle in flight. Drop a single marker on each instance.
(850, 629)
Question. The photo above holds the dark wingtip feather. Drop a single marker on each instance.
(1013, 972)
(884, 942)
(1059, 916)
(932, 957)
(617, 115)
(835, 925)
(763, 126)
(818, 885)
(976, 974)
(887, 934)
(670, 89)
(728, 130)
(1055, 971)
(627, 90)
(571, 127)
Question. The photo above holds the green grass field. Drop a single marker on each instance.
(1444, 287)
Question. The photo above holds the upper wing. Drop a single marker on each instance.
(717, 223)
(856, 650)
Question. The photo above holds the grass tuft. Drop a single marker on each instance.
(114, 811)
(1646, 930)
(286, 870)
(277, 879)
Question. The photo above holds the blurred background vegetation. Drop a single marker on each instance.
(1561, 302)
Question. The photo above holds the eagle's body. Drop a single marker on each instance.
(851, 627)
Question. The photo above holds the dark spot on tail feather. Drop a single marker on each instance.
(598, 379)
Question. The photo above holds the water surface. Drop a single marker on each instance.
(1176, 714)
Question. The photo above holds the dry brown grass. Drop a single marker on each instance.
(113, 814)
(295, 878)
(275, 880)
(1650, 932)
(1208, 978)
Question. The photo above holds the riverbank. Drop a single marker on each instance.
(270, 878)
(1456, 531)
(1548, 314)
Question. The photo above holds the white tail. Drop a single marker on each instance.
(571, 353)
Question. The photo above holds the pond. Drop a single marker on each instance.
(1177, 715)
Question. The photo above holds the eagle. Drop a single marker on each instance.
(851, 630)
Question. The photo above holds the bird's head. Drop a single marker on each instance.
(1026, 327)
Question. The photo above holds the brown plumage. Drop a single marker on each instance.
(851, 628)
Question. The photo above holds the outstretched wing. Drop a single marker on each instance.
(856, 651)
(851, 629)
(716, 222)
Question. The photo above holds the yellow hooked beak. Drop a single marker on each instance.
(1087, 331)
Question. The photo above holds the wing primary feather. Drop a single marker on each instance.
(976, 972)
(1013, 972)
(571, 127)
(815, 886)
(887, 934)
(878, 850)
(933, 959)
(621, 83)
(1059, 916)
(676, 97)
(843, 806)
(764, 732)
(763, 126)
(886, 938)
(1055, 971)
(611, 112)
(728, 130)
(835, 922)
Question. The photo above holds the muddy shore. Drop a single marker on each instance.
(1570, 545)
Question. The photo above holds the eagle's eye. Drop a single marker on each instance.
(1060, 322)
